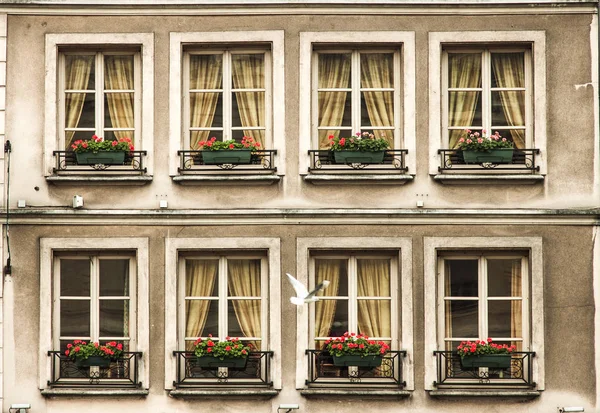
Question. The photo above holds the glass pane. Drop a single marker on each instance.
(198, 312)
(206, 71)
(114, 318)
(331, 318)
(373, 278)
(118, 110)
(206, 110)
(464, 70)
(114, 277)
(197, 136)
(114, 135)
(377, 108)
(505, 318)
(464, 109)
(80, 72)
(244, 278)
(504, 278)
(75, 318)
(248, 109)
(248, 71)
(335, 109)
(334, 70)
(374, 318)
(118, 73)
(80, 110)
(244, 318)
(508, 70)
(258, 136)
(334, 271)
(75, 278)
(201, 278)
(461, 278)
(376, 70)
(461, 319)
(508, 108)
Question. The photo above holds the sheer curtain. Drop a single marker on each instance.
(377, 71)
(248, 72)
(206, 72)
(464, 72)
(516, 306)
(199, 282)
(374, 316)
(509, 72)
(243, 280)
(77, 76)
(119, 76)
(448, 305)
(325, 309)
(334, 72)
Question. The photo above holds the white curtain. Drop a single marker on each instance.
(77, 76)
(334, 72)
(377, 71)
(248, 73)
(206, 72)
(509, 71)
(119, 76)
(464, 72)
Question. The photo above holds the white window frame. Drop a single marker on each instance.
(144, 96)
(403, 275)
(405, 106)
(271, 298)
(274, 118)
(434, 334)
(140, 336)
(536, 114)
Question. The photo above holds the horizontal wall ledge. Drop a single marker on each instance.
(219, 393)
(226, 179)
(358, 179)
(524, 394)
(99, 180)
(346, 392)
(94, 392)
(487, 179)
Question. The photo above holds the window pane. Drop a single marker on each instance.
(508, 108)
(376, 70)
(115, 135)
(464, 109)
(118, 110)
(80, 72)
(377, 108)
(258, 136)
(505, 318)
(508, 70)
(206, 71)
(374, 318)
(206, 109)
(461, 278)
(118, 72)
(331, 318)
(75, 318)
(248, 109)
(334, 70)
(324, 141)
(114, 277)
(373, 278)
(334, 271)
(504, 278)
(464, 70)
(114, 318)
(461, 319)
(244, 318)
(201, 278)
(244, 278)
(335, 109)
(75, 278)
(197, 136)
(248, 71)
(201, 318)
(80, 110)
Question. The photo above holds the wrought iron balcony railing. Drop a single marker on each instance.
(261, 162)
(394, 161)
(450, 372)
(66, 163)
(523, 161)
(256, 372)
(121, 373)
(322, 371)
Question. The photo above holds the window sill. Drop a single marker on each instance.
(488, 179)
(99, 180)
(226, 179)
(351, 178)
(357, 393)
(94, 392)
(210, 393)
(523, 394)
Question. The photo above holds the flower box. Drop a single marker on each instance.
(348, 157)
(498, 156)
(226, 156)
(100, 157)
(370, 360)
(97, 361)
(492, 361)
(215, 362)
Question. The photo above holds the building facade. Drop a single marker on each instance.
(423, 248)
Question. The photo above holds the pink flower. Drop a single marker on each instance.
(479, 140)
(461, 140)
(503, 139)
(114, 143)
(469, 141)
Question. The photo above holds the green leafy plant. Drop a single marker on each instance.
(480, 347)
(97, 143)
(228, 349)
(82, 350)
(214, 145)
(474, 141)
(361, 142)
(355, 344)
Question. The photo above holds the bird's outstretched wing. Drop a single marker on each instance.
(318, 288)
(301, 291)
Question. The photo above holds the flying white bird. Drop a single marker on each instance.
(302, 294)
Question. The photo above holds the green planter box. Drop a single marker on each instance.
(491, 156)
(232, 156)
(97, 361)
(214, 362)
(100, 157)
(347, 157)
(493, 361)
(372, 360)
